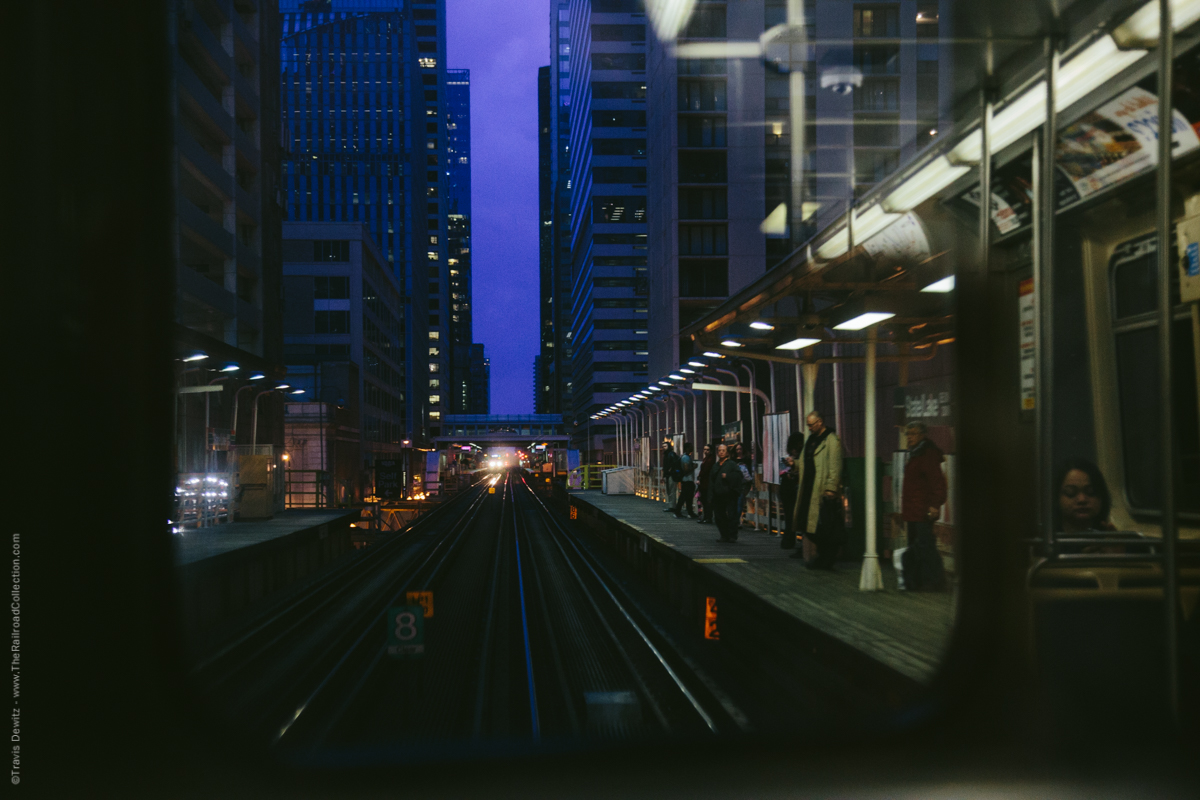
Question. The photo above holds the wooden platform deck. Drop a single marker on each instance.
(905, 631)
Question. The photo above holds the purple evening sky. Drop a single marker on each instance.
(503, 42)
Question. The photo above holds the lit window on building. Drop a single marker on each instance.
(432, 255)
(427, 63)
(435, 399)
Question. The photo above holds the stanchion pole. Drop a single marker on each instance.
(871, 580)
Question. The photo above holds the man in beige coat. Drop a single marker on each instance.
(820, 479)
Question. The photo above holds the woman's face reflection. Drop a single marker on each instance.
(1078, 501)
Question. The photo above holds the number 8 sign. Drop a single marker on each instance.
(406, 631)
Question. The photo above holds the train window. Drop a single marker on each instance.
(1134, 279)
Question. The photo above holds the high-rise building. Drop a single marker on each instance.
(604, 163)
(364, 105)
(227, 224)
(458, 233)
(722, 179)
(554, 116)
(481, 382)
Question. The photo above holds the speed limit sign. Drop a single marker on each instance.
(405, 631)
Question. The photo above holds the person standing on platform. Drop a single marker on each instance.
(747, 469)
(789, 485)
(706, 465)
(670, 465)
(820, 485)
(920, 504)
(687, 482)
(726, 489)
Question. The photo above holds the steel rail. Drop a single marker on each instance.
(552, 646)
(687, 693)
(481, 682)
(371, 559)
(372, 624)
(533, 709)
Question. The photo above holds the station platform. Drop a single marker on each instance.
(905, 633)
(224, 568)
(202, 543)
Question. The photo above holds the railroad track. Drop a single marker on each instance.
(530, 639)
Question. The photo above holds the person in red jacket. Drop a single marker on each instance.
(920, 504)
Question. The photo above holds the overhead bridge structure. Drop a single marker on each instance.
(517, 430)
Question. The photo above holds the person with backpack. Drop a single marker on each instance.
(671, 470)
(687, 482)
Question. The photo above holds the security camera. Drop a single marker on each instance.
(842, 80)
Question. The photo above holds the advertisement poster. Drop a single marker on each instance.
(776, 428)
(904, 240)
(1118, 140)
(731, 432)
(1027, 316)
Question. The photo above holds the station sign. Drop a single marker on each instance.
(389, 481)
(710, 619)
(423, 599)
(405, 631)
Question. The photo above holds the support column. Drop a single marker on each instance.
(708, 412)
(1043, 282)
(1169, 448)
(871, 580)
(810, 388)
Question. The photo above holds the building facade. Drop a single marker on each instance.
(605, 164)
(224, 106)
(344, 336)
(555, 191)
(364, 110)
(458, 231)
(876, 87)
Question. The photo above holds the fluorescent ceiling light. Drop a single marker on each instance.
(675, 377)
(776, 222)
(797, 344)
(230, 368)
(718, 49)
(835, 245)
(762, 326)
(946, 284)
(655, 389)
(296, 391)
(283, 386)
(731, 343)
(866, 225)
(1089, 69)
(714, 355)
(664, 383)
(687, 371)
(697, 364)
(197, 357)
(669, 17)
(258, 376)
(919, 187)
(1095, 65)
(1142, 27)
(871, 222)
(864, 321)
